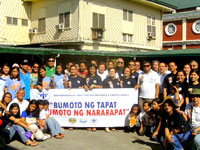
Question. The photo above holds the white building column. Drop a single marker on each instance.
(184, 30)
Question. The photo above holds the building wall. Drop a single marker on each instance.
(190, 34)
(193, 46)
(179, 33)
(172, 47)
(81, 23)
(50, 9)
(115, 25)
(14, 34)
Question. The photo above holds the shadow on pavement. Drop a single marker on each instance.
(7, 148)
(154, 146)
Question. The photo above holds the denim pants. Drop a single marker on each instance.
(197, 141)
(182, 138)
(53, 126)
(13, 131)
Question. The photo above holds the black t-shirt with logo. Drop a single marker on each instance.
(191, 87)
(76, 82)
(128, 83)
(120, 72)
(135, 75)
(96, 80)
(111, 83)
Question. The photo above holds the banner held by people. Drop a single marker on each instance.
(96, 108)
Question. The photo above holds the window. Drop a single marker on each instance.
(24, 22)
(98, 21)
(170, 29)
(42, 25)
(127, 37)
(127, 15)
(151, 28)
(196, 27)
(11, 20)
(65, 19)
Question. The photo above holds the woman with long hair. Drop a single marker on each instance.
(14, 82)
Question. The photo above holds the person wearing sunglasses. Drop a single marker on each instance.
(149, 83)
(50, 69)
(120, 68)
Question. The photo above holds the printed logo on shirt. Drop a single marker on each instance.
(117, 83)
(128, 82)
(95, 81)
(133, 77)
(190, 90)
(15, 86)
(78, 81)
(170, 79)
(122, 74)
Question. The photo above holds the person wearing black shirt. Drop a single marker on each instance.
(170, 78)
(134, 74)
(120, 68)
(194, 84)
(127, 81)
(111, 81)
(176, 127)
(74, 80)
(93, 80)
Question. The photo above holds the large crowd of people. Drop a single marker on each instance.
(168, 109)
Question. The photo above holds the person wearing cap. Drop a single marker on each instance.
(50, 69)
(26, 78)
(193, 114)
(176, 127)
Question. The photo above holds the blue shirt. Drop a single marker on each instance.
(45, 82)
(13, 86)
(27, 82)
(58, 79)
(25, 115)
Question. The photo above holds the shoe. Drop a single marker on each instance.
(89, 129)
(107, 129)
(113, 129)
(71, 129)
(94, 129)
(58, 136)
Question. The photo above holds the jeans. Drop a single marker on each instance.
(53, 126)
(177, 141)
(197, 141)
(13, 131)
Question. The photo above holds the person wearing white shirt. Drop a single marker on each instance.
(192, 113)
(23, 104)
(149, 84)
(102, 72)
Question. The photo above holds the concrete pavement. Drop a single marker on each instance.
(80, 139)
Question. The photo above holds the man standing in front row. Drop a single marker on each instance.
(149, 83)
